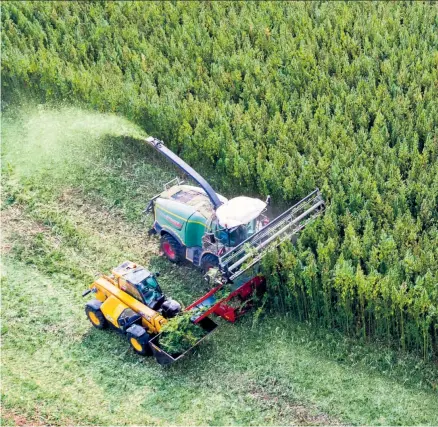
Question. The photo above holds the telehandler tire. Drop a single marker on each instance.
(139, 340)
(96, 317)
(171, 248)
(209, 261)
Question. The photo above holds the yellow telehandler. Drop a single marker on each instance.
(131, 300)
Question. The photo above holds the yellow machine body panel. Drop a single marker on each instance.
(112, 308)
(115, 301)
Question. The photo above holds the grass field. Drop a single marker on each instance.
(74, 185)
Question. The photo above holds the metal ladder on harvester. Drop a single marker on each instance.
(248, 253)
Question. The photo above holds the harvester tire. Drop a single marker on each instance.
(209, 261)
(171, 248)
(96, 317)
(139, 340)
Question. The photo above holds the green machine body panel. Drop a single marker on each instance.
(183, 211)
(195, 229)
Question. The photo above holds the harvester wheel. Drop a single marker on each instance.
(171, 248)
(139, 340)
(209, 261)
(96, 317)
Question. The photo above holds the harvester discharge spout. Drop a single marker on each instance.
(159, 146)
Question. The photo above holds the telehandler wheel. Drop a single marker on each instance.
(171, 248)
(139, 340)
(96, 317)
(209, 261)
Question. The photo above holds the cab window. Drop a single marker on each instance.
(152, 282)
(130, 289)
(238, 235)
(221, 234)
(217, 233)
(150, 290)
(232, 237)
(251, 227)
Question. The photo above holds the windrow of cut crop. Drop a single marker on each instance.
(276, 98)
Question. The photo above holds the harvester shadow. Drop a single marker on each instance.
(139, 164)
(130, 150)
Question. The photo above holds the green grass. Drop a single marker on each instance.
(75, 211)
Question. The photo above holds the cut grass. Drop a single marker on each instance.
(65, 223)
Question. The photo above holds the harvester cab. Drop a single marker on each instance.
(233, 222)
